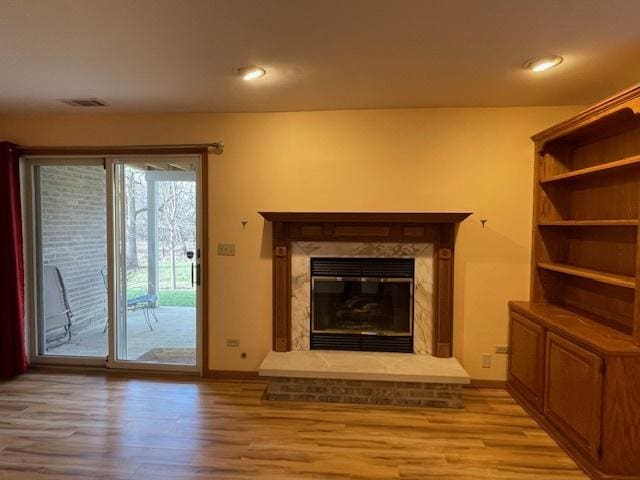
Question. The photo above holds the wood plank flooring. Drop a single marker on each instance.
(74, 426)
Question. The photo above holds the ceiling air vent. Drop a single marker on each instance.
(84, 102)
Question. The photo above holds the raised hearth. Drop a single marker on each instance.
(383, 366)
(361, 377)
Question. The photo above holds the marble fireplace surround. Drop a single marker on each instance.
(301, 254)
(437, 229)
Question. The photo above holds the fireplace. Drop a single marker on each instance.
(427, 237)
(362, 304)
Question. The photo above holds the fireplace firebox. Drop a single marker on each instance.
(362, 304)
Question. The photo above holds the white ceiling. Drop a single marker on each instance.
(180, 55)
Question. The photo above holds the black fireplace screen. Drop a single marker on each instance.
(358, 305)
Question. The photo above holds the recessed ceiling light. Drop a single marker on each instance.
(251, 73)
(540, 64)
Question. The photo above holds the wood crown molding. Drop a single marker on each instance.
(627, 99)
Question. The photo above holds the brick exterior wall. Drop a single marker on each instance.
(405, 394)
(74, 235)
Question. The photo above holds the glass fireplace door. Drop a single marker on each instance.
(362, 304)
(380, 306)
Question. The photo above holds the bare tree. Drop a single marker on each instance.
(176, 216)
(134, 183)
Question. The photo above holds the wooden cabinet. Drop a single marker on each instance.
(526, 362)
(581, 381)
(575, 346)
(573, 397)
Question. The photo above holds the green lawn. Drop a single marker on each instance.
(183, 296)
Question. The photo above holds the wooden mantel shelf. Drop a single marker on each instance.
(366, 217)
(437, 228)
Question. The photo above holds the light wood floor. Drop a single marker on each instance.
(61, 426)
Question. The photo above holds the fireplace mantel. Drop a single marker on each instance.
(366, 217)
(438, 228)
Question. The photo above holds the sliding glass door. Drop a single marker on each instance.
(156, 262)
(115, 270)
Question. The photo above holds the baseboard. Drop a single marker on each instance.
(103, 371)
(245, 375)
(211, 374)
(59, 368)
(479, 383)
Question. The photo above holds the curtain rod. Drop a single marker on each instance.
(214, 147)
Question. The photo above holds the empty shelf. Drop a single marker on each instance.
(589, 223)
(625, 162)
(596, 275)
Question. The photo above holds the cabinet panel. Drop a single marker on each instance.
(526, 362)
(573, 400)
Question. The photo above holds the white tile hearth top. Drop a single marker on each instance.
(392, 367)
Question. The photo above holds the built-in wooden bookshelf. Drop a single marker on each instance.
(575, 346)
(586, 211)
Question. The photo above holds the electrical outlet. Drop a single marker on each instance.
(233, 342)
(486, 360)
(502, 348)
(227, 249)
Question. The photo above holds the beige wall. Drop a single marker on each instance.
(473, 159)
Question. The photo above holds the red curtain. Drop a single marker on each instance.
(13, 358)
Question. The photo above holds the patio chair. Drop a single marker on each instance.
(58, 317)
(147, 303)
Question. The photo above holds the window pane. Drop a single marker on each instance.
(72, 259)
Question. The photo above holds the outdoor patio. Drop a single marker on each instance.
(170, 341)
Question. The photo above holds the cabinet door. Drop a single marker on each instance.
(573, 400)
(526, 362)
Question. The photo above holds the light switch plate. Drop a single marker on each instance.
(227, 249)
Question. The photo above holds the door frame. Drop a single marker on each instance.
(107, 156)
